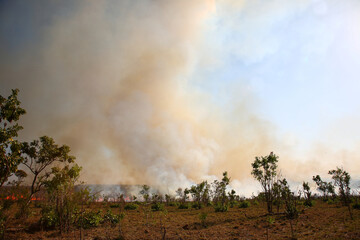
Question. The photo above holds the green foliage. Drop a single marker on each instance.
(308, 203)
(325, 187)
(10, 157)
(270, 220)
(157, 206)
(289, 199)
(232, 196)
(131, 206)
(202, 217)
(90, 219)
(111, 218)
(145, 192)
(220, 199)
(173, 204)
(265, 171)
(244, 204)
(356, 206)
(307, 194)
(196, 205)
(220, 207)
(183, 206)
(49, 219)
(342, 181)
(61, 195)
(115, 205)
(200, 194)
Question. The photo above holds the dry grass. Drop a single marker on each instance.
(323, 221)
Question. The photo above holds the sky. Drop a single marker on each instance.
(169, 93)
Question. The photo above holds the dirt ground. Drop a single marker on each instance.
(323, 221)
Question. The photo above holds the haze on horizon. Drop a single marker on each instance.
(169, 93)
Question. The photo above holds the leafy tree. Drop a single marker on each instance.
(62, 197)
(265, 171)
(342, 181)
(232, 197)
(179, 193)
(199, 193)
(220, 198)
(289, 199)
(10, 113)
(307, 194)
(39, 155)
(145, 192)
(325, 187)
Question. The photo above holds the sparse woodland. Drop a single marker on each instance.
(41, 197)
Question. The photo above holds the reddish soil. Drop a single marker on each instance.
(323, 221)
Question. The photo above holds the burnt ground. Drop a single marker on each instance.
(323, 221)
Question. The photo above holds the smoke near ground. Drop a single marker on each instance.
(118, 82)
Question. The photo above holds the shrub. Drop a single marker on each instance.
(157, 206)
(183, 206)
(356, 206)
(244, 204)
(111, 218)
(309, 203)
(115, 205)
(131, 206)
(90, 219)
(49, 218)
(221, 208)
(202, 217)
(196, 205)
(256, 203)
(173, 204)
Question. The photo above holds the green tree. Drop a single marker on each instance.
(289, 199)
(39, 156)
(232, 197)
(62, 198)
(199, 193)
(10, 113)
(220, 199)
(342, 181)
(145, 192)
(307, 194)
(325, 187)
(265, 171)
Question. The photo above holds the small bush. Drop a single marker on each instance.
(183, 206)
(256, 203)
(309, 203)
(131, 206)
(202, 217)
(329, 201)
(220, 208)
(48, 218)
(244, 204)
(196, 205)
(90, 219)
(111, 218)
(356, 206)
(115, 205)
(157, 207)
(173, 204)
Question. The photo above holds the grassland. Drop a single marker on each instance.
(323, 221)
